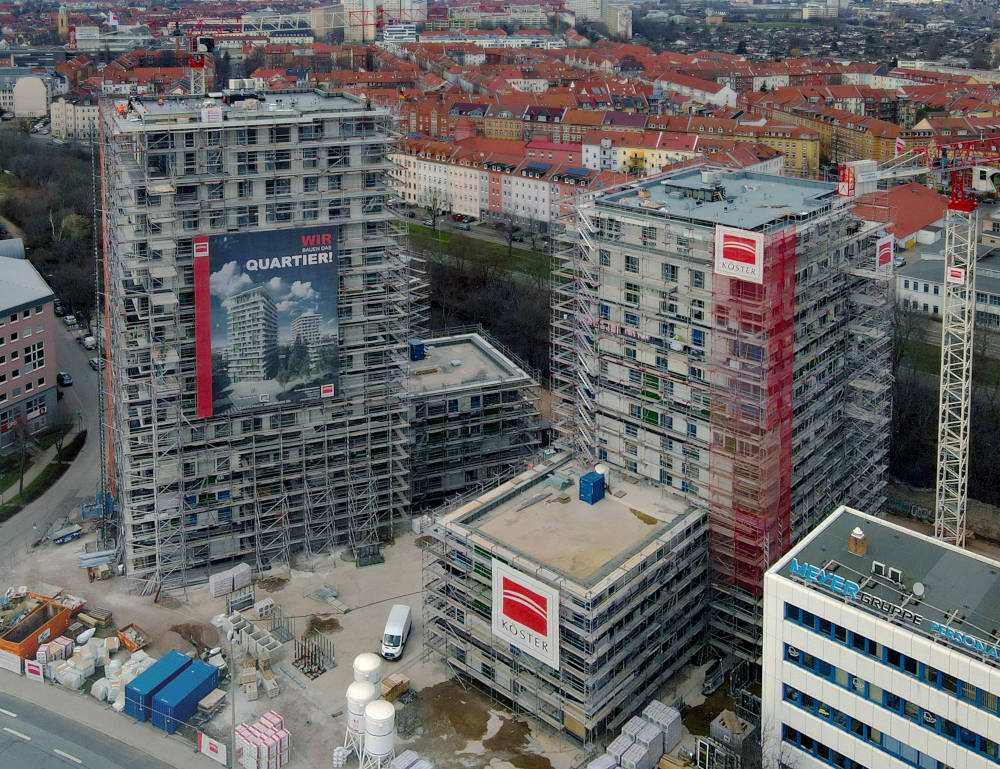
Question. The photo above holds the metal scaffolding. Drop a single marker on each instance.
(260, 484)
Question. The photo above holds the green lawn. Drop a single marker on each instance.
(927, 358)
(522, 260)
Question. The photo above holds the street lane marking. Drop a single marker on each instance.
(8, 713)
(66, 755)
(24, 737)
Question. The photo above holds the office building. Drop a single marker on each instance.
(880, 650)
(204, 201)
(571, 595)
(27, 352)
(726, 336)
(473, 413)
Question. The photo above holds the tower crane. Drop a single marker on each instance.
(958, 160)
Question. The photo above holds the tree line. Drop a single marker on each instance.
(47, 192)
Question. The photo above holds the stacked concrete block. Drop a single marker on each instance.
(639, 757)
(256, 641)
(242, 575)
(651, 737)
(603, 761)
(265, 743)
(404, 760)
(220, 584)
(668, 720)
(619, 745)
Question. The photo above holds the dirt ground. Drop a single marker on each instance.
(452, 727)
(982, 520)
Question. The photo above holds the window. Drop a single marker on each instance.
(936, 289)
(310, 184)
(632, 293)
(906, 284)
(278, 187)
(605, 312)
(697, 337)
(310, 210)
(605, 257)
(281, 134)
(697, 279)
(244, 189)
(34, 356)
(631, 319)
(670, 273)
(631, 263)
(926, 287)
(310, 158)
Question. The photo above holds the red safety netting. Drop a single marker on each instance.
(750, 463)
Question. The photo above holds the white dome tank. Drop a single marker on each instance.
(380, 717)
(602, 469)
(368, 667)
(359, 694)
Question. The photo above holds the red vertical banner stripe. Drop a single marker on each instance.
(203, 325)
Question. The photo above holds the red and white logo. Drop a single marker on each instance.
(526, 613)
(33, 669)
(845, 181)
(884, 252)
(326, 391)
(201, 246)
(956, 275)
(739, 254)
(525, 606)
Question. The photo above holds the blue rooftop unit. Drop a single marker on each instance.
(592, 487)
(140, 690)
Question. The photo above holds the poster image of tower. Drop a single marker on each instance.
(265, 318)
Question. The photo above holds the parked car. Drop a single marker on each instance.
(899, 261)
(58, 309)
(70, 320)
(467, 219)
(397, 630)
(63, 378)
(89, 343)
(462, 226)
(458, 217)
(96, 363)
(428, 222)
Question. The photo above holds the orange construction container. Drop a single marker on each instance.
(133, 637)
(43, 624)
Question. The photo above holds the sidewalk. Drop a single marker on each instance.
(92, 714)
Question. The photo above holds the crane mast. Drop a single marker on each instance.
(955, 399)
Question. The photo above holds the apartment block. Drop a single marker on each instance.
(726, 336)
(27, 352)
(74, 117)
(570, 594)
(474, 416)
(225, 220)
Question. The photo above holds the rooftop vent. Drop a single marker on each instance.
(856, 542)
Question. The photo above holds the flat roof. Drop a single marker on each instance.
(539, 515)
(463, 359)
(960, 590)
(270, 105)
(931, 269)
(21, 283)
(751, 201)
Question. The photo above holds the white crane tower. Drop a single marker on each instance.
(958, 316)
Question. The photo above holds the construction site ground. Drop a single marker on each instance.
(445, 722)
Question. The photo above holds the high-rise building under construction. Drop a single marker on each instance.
(727, 337)
(226, 223)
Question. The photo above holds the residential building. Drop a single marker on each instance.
(25, 93)
(27, 352)
(920, 286)
(473, 413)
(731, 351)
(204, 200)
(880, 650)
(570, 601)
(253, 336)
(74, 117)
(913, 213)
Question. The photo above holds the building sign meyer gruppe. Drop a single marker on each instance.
(266, 328)
(739, 254)
(526, 613)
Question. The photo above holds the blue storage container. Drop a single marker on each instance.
(592, 487)
(416, 349)
(176, 702)
(139, 692)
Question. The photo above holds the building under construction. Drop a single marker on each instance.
(727, 337)
(569, 594)
(236, 428)
(473, 415)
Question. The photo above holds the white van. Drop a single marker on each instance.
(397, 630)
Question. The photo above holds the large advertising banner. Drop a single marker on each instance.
(266, 318)
(526, 613)
(739, 253)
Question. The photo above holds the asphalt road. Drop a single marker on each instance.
(34, 738)
(81, 479)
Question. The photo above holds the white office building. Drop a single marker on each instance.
(880, 651)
